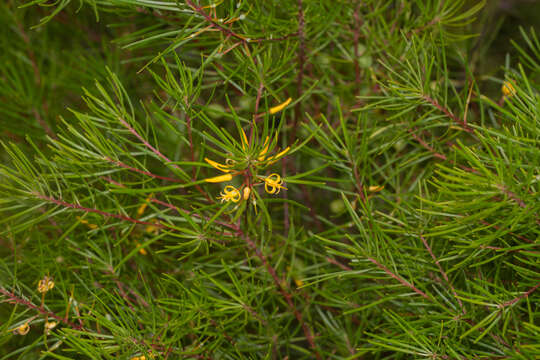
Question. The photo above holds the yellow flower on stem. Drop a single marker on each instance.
(508, 89)
(23, 329)
(273, 184)
(45, 284)
(49, 325)
(230, 193)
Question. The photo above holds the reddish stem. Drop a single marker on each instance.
(443, 273)
(401, 280)
(286, 295)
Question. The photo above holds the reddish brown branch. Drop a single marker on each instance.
(524, 295)
(96, 211)
(300, 71)
(14, 298)
(356, 39)
(170, 206)
(448, 113)
(286, 295)
(141, 139)
(228, 32)
(443, 273)
(159, 154)
(401, 280)
(147, 173)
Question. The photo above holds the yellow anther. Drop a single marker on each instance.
(230, 193)
(45, 284)
(218, 179)
(23, 329)
(246, 192)
(273, 184)
(217, 165)
(280, 107)
(508, 89)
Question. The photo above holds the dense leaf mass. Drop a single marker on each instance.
(249, 179)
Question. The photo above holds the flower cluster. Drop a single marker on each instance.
(252, 158)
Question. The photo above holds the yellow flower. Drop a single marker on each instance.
(273, 184)
(280, 107)
(144, 205)
(230, 193)
(218, 179)
(45, 284)
(152, 229)
(49, 325)
(23, 329)
(508, 89)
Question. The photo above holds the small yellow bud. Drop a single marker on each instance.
(142, 208)
(508, 89)
(247, 192)
(91, 226)
(280, 107)
(375, 188)
(23, 329)
(45, 284)
(218, 179)
(49, 325)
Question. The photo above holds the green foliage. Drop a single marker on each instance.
(269, 179)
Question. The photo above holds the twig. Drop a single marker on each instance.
(147, 173)
(447, 112)
(229, 32)
(286, 295)
(524, 295)
(301, 65)
(401, 280)
(141, 139)
(41, 310)
(443, 273)
(96, 211)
